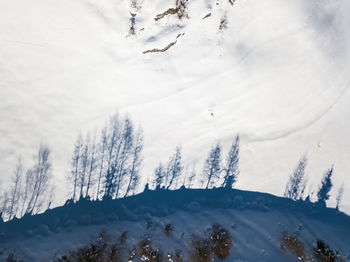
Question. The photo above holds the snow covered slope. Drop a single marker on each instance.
(278, 75)
(256, 222)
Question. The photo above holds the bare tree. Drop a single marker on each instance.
(84, 164)
(296, 185)
(27, 190)
(113, 149)
(175, 167)
(74, 174)
(191, 176)
(15, 191)
(121, 162)
(39, 180)
(92, 166)
(102, 149)
(113, 162)
(326, 186)
(231, 170)
(158, 176)
(212, 167)
(339, 196)
(51, 196)
(4, 205)
(134, 173)
(166, 173)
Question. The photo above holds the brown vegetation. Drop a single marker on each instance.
(292, 244)
(156, 50)
(222, 241)
(180, 10)
(218, 242)
(147, 252)
(100, 250)
(202, 250)
(323, 253)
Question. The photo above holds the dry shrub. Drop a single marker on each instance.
(223, 24)
(132, 254)
(218, 241)
(99, 250)
(221, 240)
(231, 1)
(180, 10)
(175, 257)
(181, 6)
(323, 253)
(202, 249)
(292, 244)
(147, 252)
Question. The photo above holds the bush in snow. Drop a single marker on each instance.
(323, 253)
(175, 256)
(221, 240)
(147, 252)
(96, 251)
(202, 249)
(181, 6)
(218, 241)
(291, 243)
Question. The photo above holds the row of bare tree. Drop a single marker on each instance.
(31, 190)
(296, 185)
(214, 172)
(108, 165)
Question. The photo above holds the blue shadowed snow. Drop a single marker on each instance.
(256, 221)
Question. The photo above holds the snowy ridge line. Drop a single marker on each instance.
(160, 203)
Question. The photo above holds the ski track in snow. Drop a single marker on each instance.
(305, 125)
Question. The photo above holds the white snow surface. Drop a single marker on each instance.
(278, 76)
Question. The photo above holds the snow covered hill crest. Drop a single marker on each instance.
(171, 220)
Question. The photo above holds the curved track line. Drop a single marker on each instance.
(305, 125)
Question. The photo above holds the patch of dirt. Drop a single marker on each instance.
(232, 1)
(180, 10)
(156, 50)
(170, 11)
(206, 16)
(223, 24)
